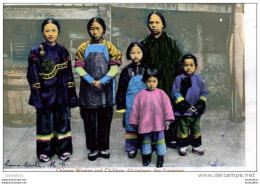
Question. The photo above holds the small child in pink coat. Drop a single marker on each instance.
(152, 113)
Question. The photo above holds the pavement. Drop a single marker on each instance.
(224, 148)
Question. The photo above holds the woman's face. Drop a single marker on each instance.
(96, 31)
(155, 25)
(136, 55)
(50, 33)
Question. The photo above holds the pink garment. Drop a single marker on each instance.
(150, 110)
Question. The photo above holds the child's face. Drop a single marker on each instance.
(189, 66)
(151, 83)
(96, 31)
(155, 25)
(136, 55)
(50, 33)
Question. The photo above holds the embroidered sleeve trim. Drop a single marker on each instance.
(79, 64)
(71, 84)
(36, 85)
(33, 57)
(179, 100)
(54, 71)
(203, 98)
(116, 62)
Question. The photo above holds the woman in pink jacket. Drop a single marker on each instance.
(152, 113)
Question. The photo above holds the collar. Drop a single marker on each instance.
(101, 41)
(47, 45)
(159, 38)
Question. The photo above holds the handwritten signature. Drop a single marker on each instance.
(53, 164)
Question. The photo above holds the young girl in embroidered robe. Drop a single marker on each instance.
(97, 62)
(130, 83)
(152, 113)
(52, 93)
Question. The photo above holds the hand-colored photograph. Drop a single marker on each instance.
(133, 87)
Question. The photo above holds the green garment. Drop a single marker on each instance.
(164, 54)
(188, 125)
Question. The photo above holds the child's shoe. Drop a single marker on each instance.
(182, 151)
(198, 150)
(159, 161)
(132, 154)
(65, 156)
(44, 158)
(104, 154)
(146, 159)
(92, 155)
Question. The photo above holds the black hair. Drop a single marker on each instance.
(50, 20)
(151, 72)
(98, 20)
(140, 46)
(160, 15)
(189, 56)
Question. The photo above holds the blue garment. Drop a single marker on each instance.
(132, 141)
(197, 90)
(127, 73)
(135, 85)
(153, 137)
(129, 85)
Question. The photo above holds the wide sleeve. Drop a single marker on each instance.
(204, 90)
(176, 90)
(72, 95)
(201, 103)
(80, 64)
(167, 107)
(135, 112)
(181, 104)
(114, 61)
(34, 81)
(114, 55)
(121, 90)
(177, 57)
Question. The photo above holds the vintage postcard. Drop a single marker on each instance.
(75, 83)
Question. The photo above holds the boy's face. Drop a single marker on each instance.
(189, 66)
(151, 83)
(50, 33)
(155, 25)
(136, 54)
(96, 31)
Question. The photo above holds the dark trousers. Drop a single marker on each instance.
(97, 123)
(171, 134)
(53, 131)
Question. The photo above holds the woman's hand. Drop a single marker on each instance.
(97, 84)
